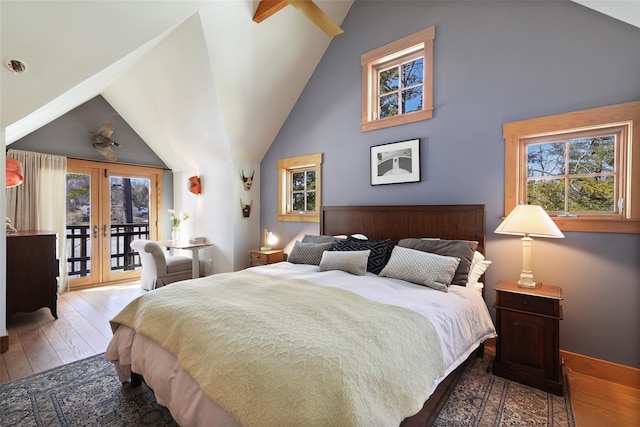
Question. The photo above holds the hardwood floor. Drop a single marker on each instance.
(598, 403)
(37, 342)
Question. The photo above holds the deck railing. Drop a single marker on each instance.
(122, 258)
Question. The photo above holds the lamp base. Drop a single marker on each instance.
(265, 248)
(526, 280)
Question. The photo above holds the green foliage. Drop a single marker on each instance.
(582, 181)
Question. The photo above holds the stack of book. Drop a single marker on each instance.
(197, 240)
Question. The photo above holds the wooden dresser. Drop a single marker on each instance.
(32, 271)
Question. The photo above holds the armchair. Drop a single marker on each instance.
(158, 269)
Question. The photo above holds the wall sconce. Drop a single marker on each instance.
(527, 221)
(195, 185)
(14, 173)
(268, 240)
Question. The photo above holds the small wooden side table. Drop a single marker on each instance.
(527, 347)
(267, 256)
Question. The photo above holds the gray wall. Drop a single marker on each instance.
(495, 62)
(69, 135)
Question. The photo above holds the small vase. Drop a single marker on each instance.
(175, 234)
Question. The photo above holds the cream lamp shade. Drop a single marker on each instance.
(528, 221)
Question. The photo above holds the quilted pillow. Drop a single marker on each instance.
(380, 251)
(422, 268)
(354, 262)
(308, 253)
(462, 249)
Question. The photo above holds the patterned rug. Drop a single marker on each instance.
(88, 393)
(483, 399)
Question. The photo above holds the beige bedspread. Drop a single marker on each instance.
(275, 352)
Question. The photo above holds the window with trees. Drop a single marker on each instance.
(299, 193)
(579, 167)
(397, 82)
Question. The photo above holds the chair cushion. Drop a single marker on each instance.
(178, 263)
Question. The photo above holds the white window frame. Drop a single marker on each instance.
(286, 167)
(414, 46)
(624, 116)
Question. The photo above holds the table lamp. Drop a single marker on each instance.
(269, 239)
(528, 221)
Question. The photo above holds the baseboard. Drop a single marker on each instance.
(602, 369)
(4, 343)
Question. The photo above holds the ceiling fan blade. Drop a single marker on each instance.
(106, 130)
(108, 153)
(317, 16)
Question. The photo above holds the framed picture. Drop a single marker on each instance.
(396, 162)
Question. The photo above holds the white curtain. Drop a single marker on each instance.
(39, 203)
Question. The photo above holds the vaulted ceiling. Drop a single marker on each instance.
(188, 77)
(182, 74)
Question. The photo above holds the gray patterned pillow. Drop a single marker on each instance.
(354, 262)
(422, 268)
(308, 253)
(461, 249)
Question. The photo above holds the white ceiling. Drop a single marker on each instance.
(182, 74)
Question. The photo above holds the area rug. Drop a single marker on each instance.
(88, 393)
(483, 399)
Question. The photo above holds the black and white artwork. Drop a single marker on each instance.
(396, 162)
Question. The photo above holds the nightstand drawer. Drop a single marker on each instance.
(528, 303)
(268, 256)
(259, 257)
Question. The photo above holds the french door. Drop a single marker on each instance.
(108, 206)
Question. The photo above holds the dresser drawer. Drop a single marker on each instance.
(528, 303)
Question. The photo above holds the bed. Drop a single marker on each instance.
(407, 379)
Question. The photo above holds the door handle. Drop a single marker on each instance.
(95, 231)
(104, 230)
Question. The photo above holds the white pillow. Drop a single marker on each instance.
(477, 257)
(478, 266)
(354, 262)
(422, 268)
(355, 236)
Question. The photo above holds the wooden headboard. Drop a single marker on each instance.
(459, 222)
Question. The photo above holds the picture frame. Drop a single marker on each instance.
(395, 162)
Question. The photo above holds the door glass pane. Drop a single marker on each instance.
(129, 214)
(78, 225)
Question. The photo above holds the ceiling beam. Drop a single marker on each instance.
(266, 8)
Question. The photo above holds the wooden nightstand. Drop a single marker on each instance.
(270, 256)
(528, 324)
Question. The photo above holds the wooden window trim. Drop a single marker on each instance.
(399, 48)
(627, 113)
(285, 166)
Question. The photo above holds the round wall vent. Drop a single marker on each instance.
(17, 66)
